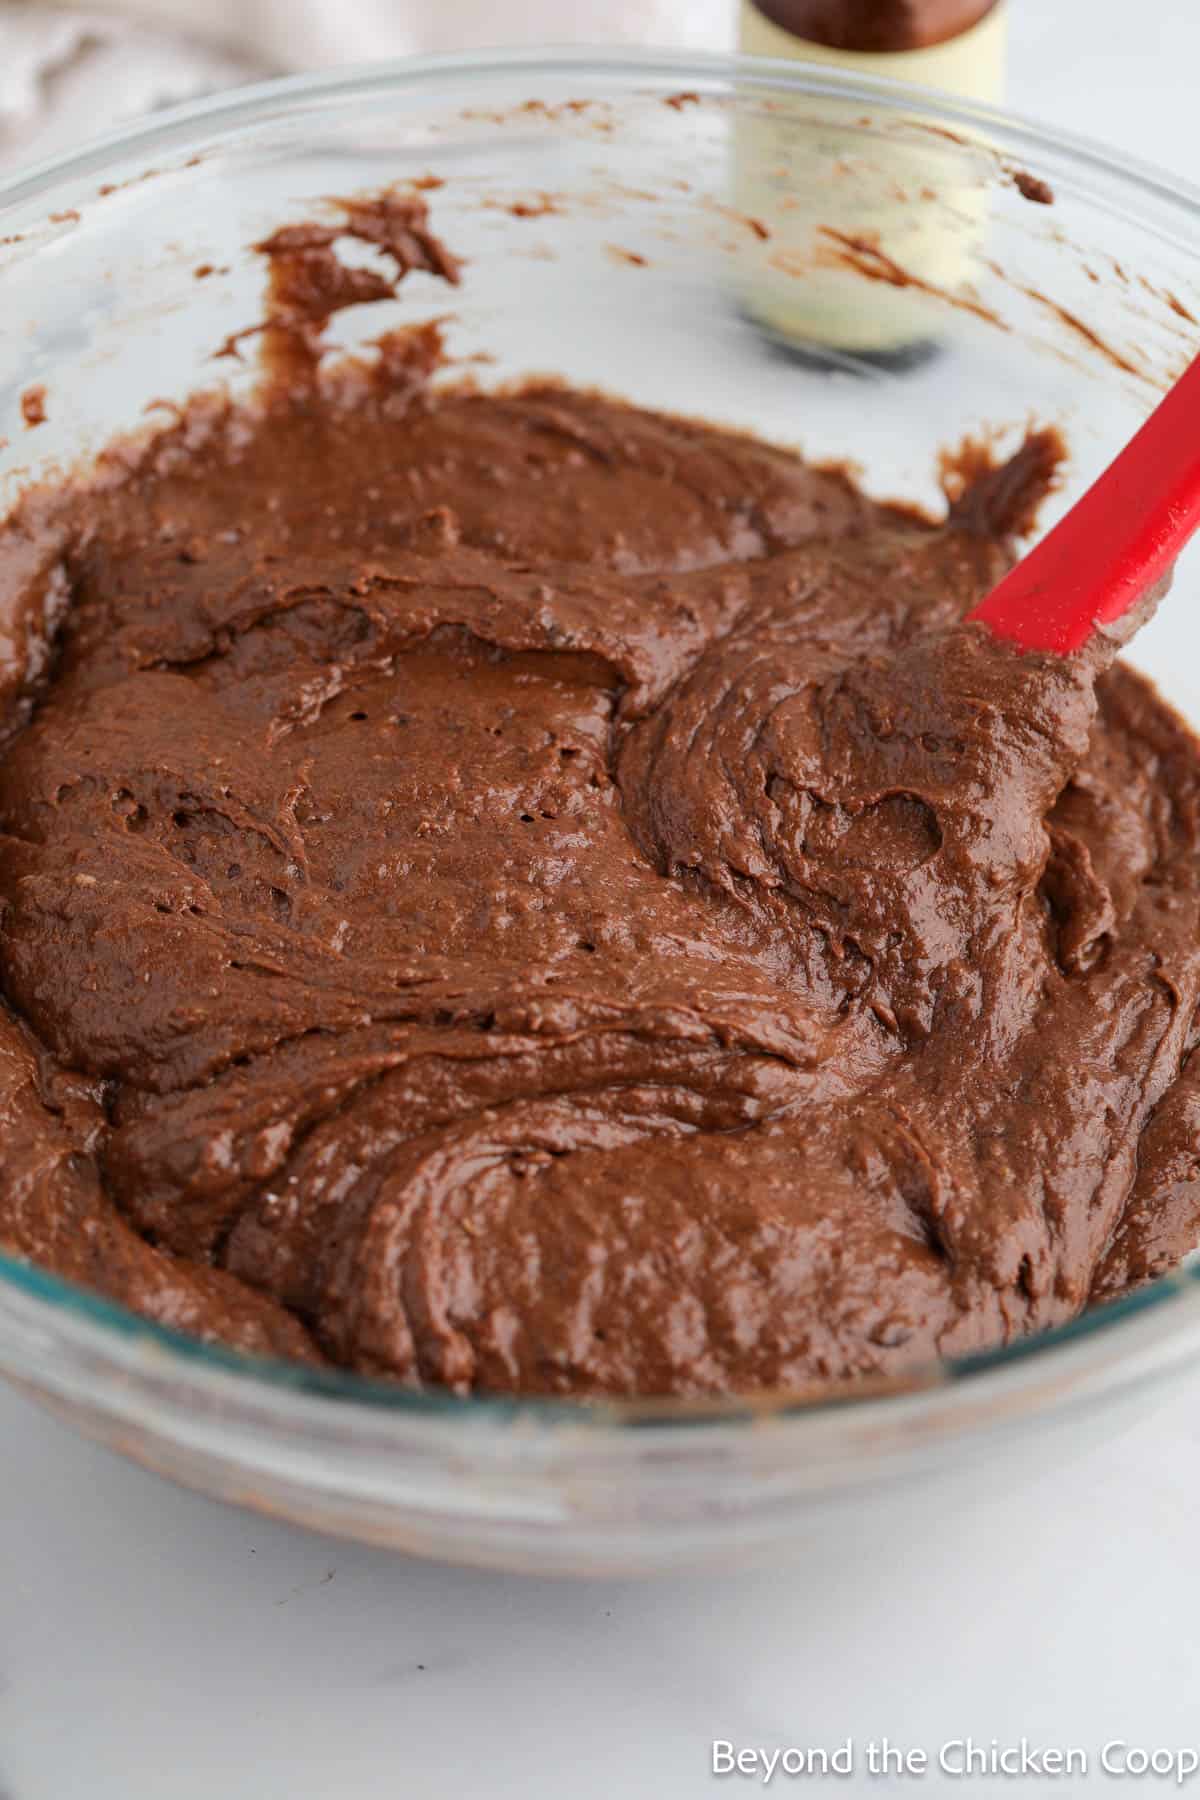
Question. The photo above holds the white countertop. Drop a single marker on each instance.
(154, 1646)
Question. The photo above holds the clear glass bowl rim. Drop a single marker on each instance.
(1158, 1324)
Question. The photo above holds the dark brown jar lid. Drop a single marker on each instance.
(875, 25)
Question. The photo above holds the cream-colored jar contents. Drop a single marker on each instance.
(827, 193)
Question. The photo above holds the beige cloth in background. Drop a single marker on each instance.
(66, 74)
(310, 33)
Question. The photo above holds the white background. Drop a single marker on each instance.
(154, 1646)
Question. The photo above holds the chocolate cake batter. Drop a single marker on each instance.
(515, 892)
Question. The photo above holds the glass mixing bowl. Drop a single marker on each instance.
(646, 224)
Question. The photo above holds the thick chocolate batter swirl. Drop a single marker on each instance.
(519, 893)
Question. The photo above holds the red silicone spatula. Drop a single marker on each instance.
(1115, 543)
